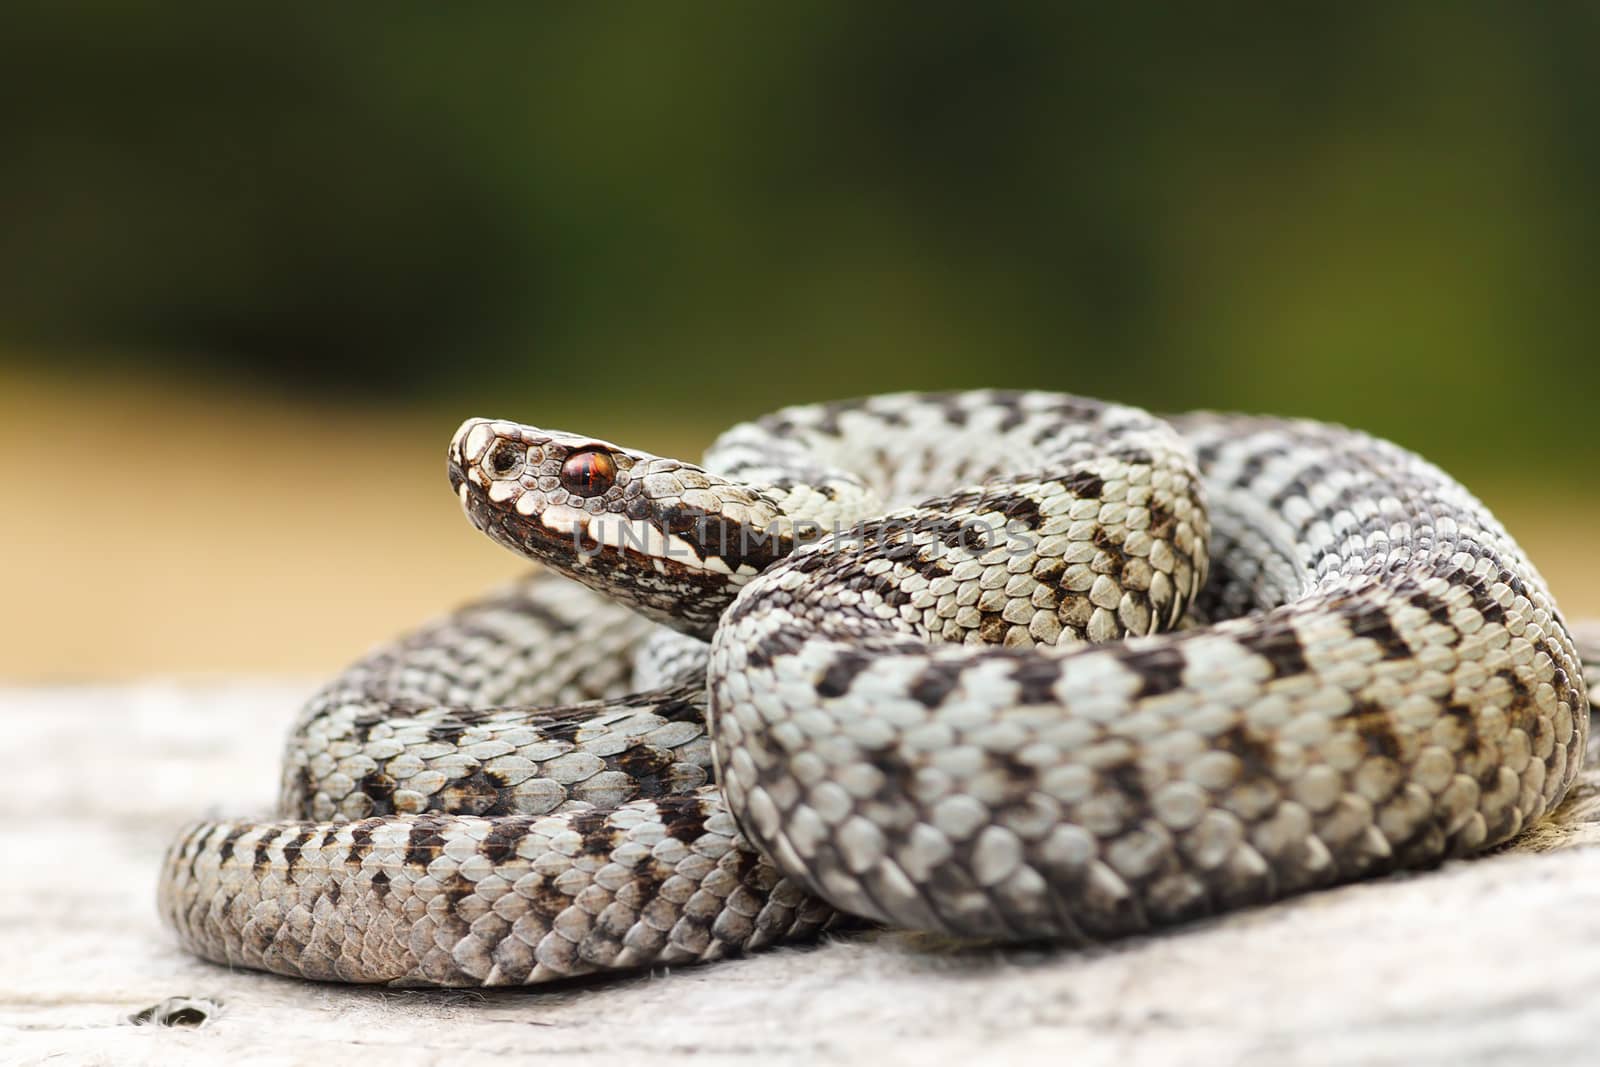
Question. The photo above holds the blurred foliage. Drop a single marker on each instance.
(1383, 214)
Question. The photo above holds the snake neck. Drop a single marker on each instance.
(677, 542)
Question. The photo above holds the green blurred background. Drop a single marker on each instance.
(265, 261)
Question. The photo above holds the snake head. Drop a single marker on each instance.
(666, 536)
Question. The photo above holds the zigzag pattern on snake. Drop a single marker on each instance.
(1008, 665)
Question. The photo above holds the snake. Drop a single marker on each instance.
(1008, 665)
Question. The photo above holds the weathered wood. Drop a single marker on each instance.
(1491, 961)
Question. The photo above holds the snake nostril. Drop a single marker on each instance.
(506, 459)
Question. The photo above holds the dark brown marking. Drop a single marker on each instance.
(648, 765)
(225, 846)
(197, 846)
(1085, 485)
(1069, 409)
(1160, 670)
(828, 423)
(1252, 751)
(782, 641)
(683, 817)
(560, 729)
(684, 706)
(1280, 647)
(1023, 509)
(291, 851)
(361, 726)
(471, 794)
(1162, 523)
(380, 787)
(265, 843)
(992, 628)
(424, 842)
(1372, 622)
(886, 587)
(1468, 722)
(360, 844)
(935, 683)
(598, 838)
(1036, 679)
(1281, 498)
(1438, 611)
(1128, 782)
(1136, 457)
(835, 681)
(1372, 724)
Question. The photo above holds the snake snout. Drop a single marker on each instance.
(467, 447)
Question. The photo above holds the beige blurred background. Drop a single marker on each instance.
(252, 277)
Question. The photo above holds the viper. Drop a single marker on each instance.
(1005, 665)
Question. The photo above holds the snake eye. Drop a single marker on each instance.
(589, 473)
(506, 458)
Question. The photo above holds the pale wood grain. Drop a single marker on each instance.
(1492, 961)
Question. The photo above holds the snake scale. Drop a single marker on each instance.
(1007, 665)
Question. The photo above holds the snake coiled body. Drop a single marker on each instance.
(999, 664)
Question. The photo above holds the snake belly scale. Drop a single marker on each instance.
(1009, 665)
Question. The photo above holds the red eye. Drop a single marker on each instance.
(589, 473)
